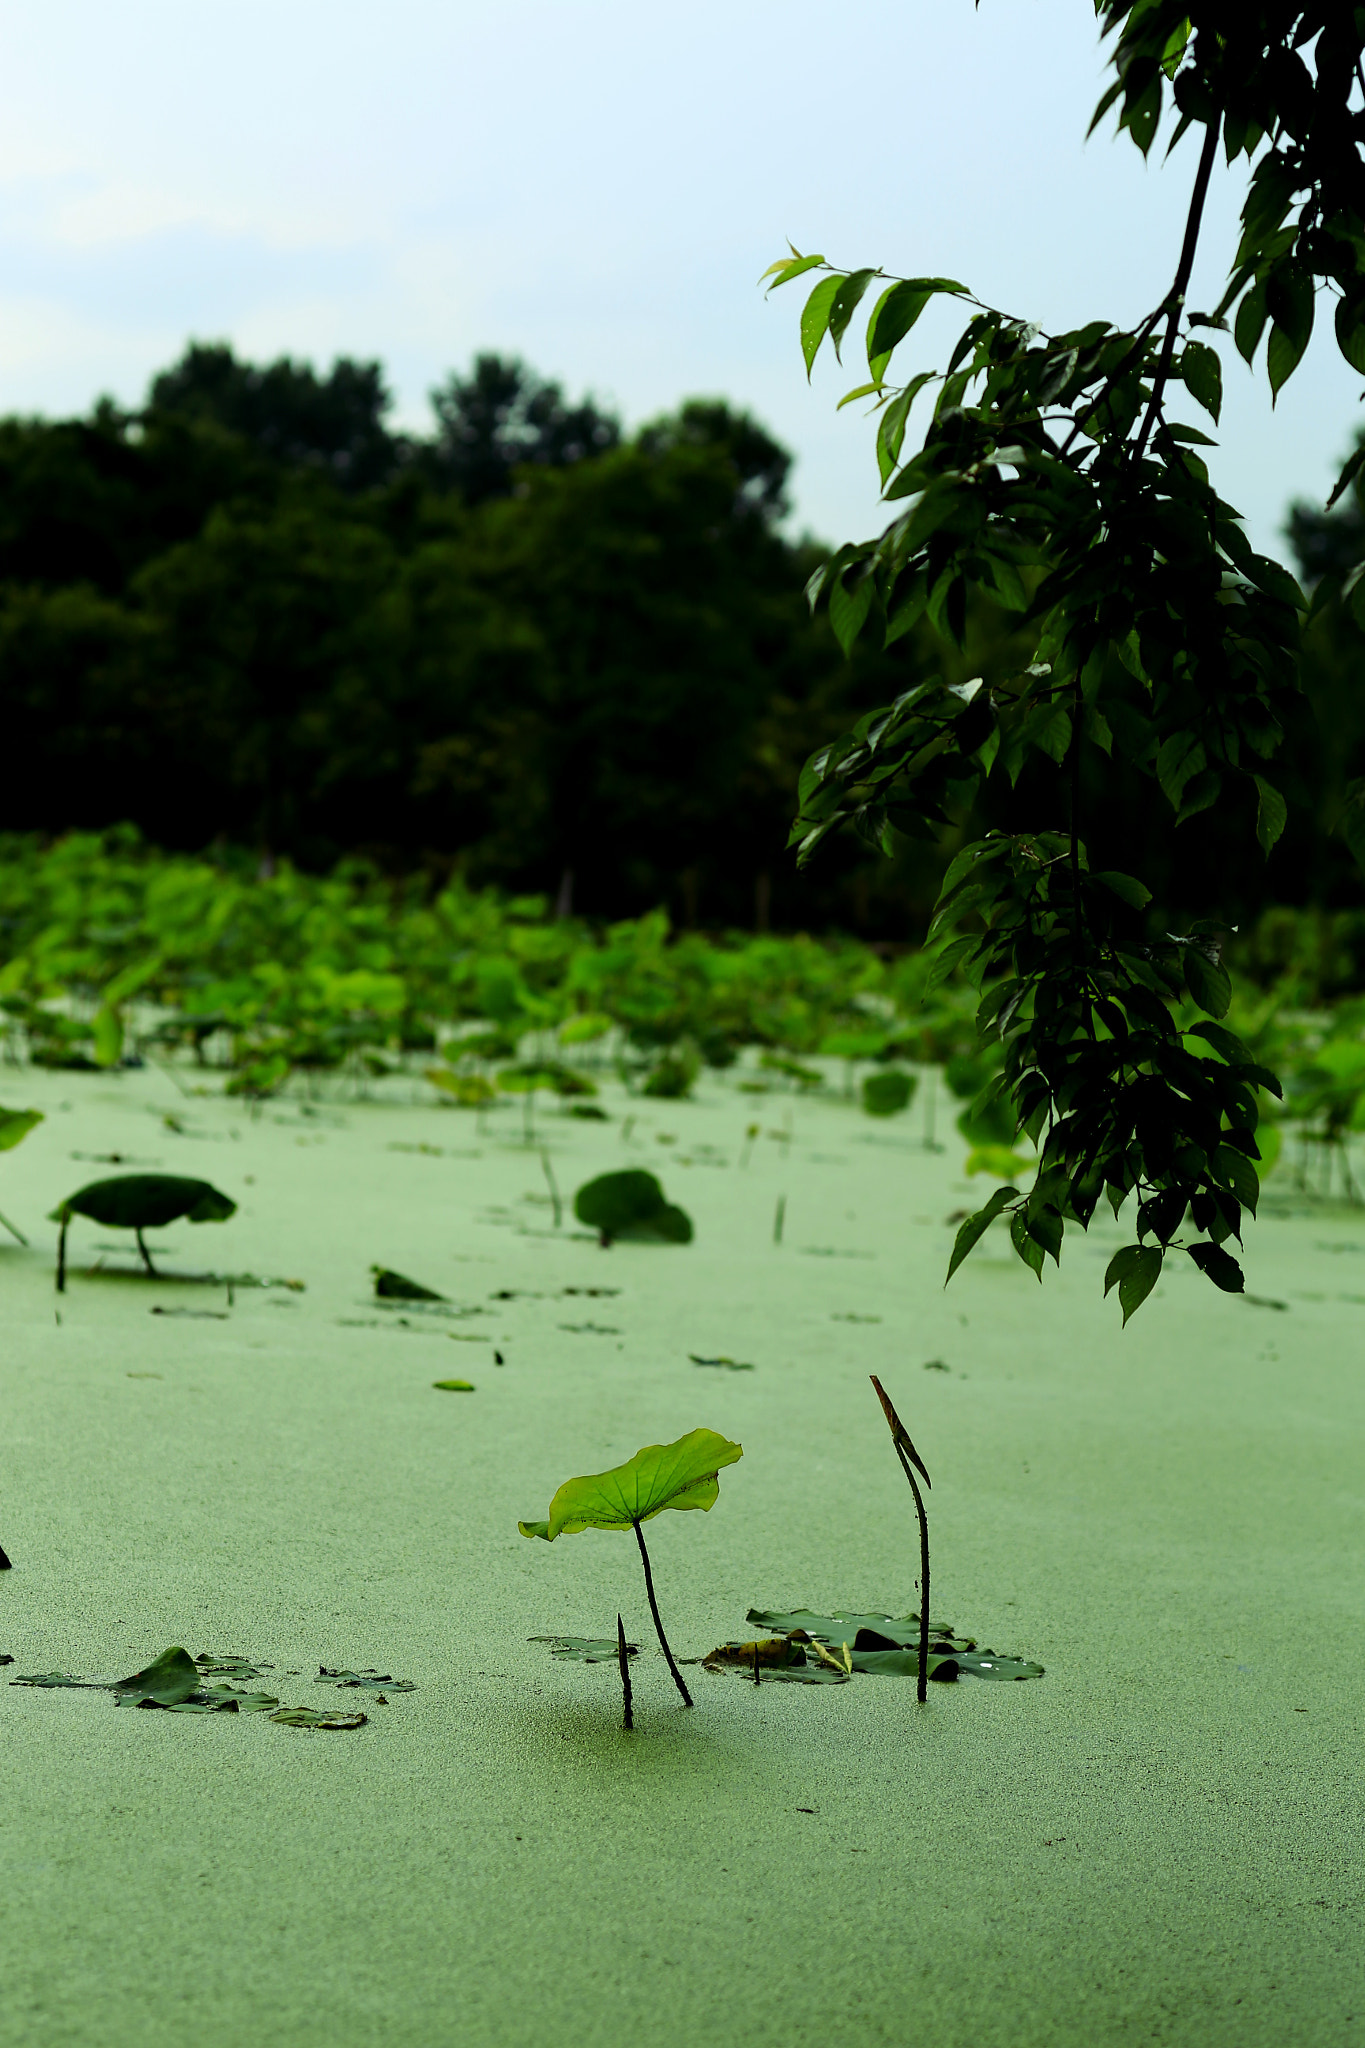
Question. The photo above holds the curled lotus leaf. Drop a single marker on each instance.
(684, 1474)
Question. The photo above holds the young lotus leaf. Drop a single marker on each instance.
(684, 1474)
(165, 1683)
(630, 1205)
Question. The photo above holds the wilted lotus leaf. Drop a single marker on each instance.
(146, 1201)
(684, 1474)
(586, 1649)
(310, 1717)
(229, 1667)
(730, 1364)
(172, 1678)
(367, 1681)
(795, 1659)
(16, 1124)
(630, 1205)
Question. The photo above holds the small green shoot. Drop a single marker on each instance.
(454, 1386)
(684, 1474)
(138, 1202)
(911, 1463)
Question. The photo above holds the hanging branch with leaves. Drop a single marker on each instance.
(1054, 482)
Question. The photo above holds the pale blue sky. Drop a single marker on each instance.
(595, 186)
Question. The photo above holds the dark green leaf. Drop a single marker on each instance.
(1203, 375)
(1134, 1271)
(1271, 813)
(1219, 1266)
(1208, 981)
(976, 1227)
(815, 318)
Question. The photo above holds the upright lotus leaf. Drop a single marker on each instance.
(630, 1205)
(138, 1202)
(888, 1093)
(165, 1683)
(685, 1474)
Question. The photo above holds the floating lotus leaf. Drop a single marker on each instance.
(684, 1474)
(883, 1645)
(310, 1717)
(586, 1649)
(364, 1681)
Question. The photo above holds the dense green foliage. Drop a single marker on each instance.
(523, 647)
(1056, 480)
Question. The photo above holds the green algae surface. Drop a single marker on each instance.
(1157, 1841)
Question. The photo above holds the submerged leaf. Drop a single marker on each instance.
(55, 1678)
(677, 1475)
(730, 1364)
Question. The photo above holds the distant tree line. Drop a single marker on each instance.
(562, 658)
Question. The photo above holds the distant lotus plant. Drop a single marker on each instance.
(684, 1474)
(138, 1202)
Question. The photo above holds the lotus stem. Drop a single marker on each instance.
(13, 1230)
(554, 1187)
(779, 1218)
(623, 1660)
(654, 1610)
(142, 1247)
(61, 1256)
(5, 1565)
(901, 1440)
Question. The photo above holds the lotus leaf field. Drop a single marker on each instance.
(305, 1742)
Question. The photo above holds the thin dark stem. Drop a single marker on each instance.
(554, 1188)
(1176, 302)
(922, 1686)
(1077, 907)
(61, 1257)
(654, 1610)
(5, 1565)
(623, 1660)
(146, 1255)
(13, 1230)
